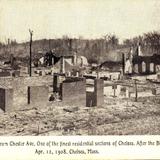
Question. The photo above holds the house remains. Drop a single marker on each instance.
(137, 63)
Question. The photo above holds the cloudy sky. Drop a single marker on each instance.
(86, 18)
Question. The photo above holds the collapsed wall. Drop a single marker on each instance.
(96, 98)
(6, 99)
(22, 91)
(38, 95)
(73, 92)
(20, 88)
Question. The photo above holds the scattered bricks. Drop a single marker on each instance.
(38, 95)
(156, 91)
(41, 73)
(16, 74)
(73, 93)
(5, 74)
(6, 99)
(99, 89)
(71, 109)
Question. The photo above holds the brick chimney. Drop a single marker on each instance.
(139, 51)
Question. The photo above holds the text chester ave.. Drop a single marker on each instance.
(21, 144)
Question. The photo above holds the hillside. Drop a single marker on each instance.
(94, 49)
(97, 49)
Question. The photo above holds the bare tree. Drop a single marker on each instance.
(152, 39)
(111, 40)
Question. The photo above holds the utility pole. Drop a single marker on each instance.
(136, 92)
(98, 71)
(30, 58)
(123, 64)
(98, 67)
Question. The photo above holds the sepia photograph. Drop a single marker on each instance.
(79, 67)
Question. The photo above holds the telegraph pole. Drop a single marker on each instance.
(98, 71)
(30, 58)
(98, 67)
(136, 92)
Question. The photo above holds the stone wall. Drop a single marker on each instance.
(90, 99)
(38, 95)
(96, 98)
(99, 91)
(5, 74)
(74, 93)
(6, 99)
(20, 85)
(156, 91)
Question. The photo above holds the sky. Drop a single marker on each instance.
(86, 18)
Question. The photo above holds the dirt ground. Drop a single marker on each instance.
(116, 117)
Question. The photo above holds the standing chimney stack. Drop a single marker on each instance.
(139, 50)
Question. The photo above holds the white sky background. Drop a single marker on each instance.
(86, 18)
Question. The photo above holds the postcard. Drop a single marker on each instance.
(79, 79)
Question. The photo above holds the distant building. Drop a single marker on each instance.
(63, 63)
(110, 70)
(82, 61)
(137, 63)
